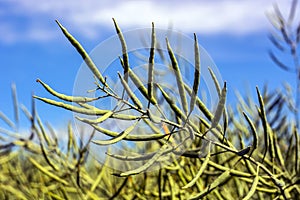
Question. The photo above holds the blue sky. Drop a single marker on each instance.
(233, 32)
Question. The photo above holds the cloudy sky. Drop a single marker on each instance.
(233, 32)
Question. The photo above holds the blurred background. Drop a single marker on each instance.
(234, 33)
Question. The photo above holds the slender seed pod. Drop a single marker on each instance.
(16, 104)
(70, 139)
(171, 103)
(6, 120)
(66, 97)
(33, 116)
(199, 103)
(135, 100)
(272, 144)
(264, 120)
(180, 83)
(73, 108)
(139, 84)
(144, 137)
(98, 120)
(225, 176)
(172, 186)
(124, 50)
(254, 185)
(220, 108)
(83, 54)
(149, 163)
(45, 153)
(225, 122)
(115, 115)
(98, 179)
(295, 131)
(254, 133)
(120, 137)
(88, 110)
(196, 74)
(201, 170)
(217, 85)
(278, 151)
(45, 135)
(134, 158)
(218, 88)
(151, 64)
(47, 172)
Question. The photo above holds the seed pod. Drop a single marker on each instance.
(278, 151)
(254, 133)
(218, 88)
(6, 120)
(180, 83)
(83, 54)
(66, 97)
(217, 85)
(15, 101)
(196, 74)
(86, 109)
(145, 137)
(296, 149)
(201, 170)
(171, 103)
(200, 104)
(135, 100)
(264, 120)
(149, 163)
(220, 108)
(225, 176)
(70, 139)
(124, 50)
(139, 84)
(120, 137)
(151, 64)
(98, 120)
(254, 185)
(47, 172)
(72, 108)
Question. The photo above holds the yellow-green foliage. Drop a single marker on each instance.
(35, 166)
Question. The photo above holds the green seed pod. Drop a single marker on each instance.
(98, 120)
(145, 137)
(151, 64)
(124, 50)
(225, 176)
(47, 172)
(85, 56)
(66, 97)
(220, 108)
(254, 133)
(263, 117)
(171, 103)
(180, 83)
(196, 74)
(254, 185)
(201, 170)
(120, 137)
(135, 100)
(149, 163)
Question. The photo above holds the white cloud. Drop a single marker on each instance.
(90, 17)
